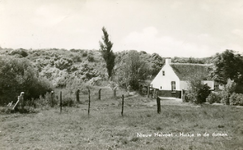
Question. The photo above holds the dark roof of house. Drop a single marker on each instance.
(186, 71)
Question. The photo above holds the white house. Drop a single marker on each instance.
(173, 78)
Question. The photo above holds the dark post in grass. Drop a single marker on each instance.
(89, 102)
(77, 95)
(52, 99)
(148, 91)
(158, 105)
(99, 94)
(122, 105)
(60, 101)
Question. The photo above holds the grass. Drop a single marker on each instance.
(105, 128)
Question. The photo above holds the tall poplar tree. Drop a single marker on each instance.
(107, 53)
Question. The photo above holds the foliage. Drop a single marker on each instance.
(225, 97)
(226, 66)
(18, 75)
(227, 91)
(107, 53)
(63, 63)
(77, 58)
(236, 99)
(85, 54)
(214, 98)
(21, 52)
(133, 71)
(68, 101)
(91, 58)
(157, 64)
(206, 60)
(197, 92)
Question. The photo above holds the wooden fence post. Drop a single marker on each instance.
(52, 99)
(23, 100)
(60, 101)
(99, 94)
(122, 105)
(158, 105)
(77, 95)
(148, 91)
(89, 102)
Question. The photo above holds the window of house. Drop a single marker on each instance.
(163, 73)
(161, 87)
(173, 85)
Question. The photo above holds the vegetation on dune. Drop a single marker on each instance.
(133, 70)
(37, 72)
(19, 75)
(73, 69)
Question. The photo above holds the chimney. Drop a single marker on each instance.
(168, 61)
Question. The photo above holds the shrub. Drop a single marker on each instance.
(90, 58)
(63, 63)
(21, 52)
(225, 97)
(236, 99)
(197, 92)
(68, 101)
(77, 59)
(203, 93)
(213, 98)
(185, 97)
(18, 75)
(85, 54)
(41, 102)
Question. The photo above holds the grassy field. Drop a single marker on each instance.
(177, 127)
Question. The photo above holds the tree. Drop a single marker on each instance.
(133, 71)
(228, 65)
(107, 53)
(157, 64)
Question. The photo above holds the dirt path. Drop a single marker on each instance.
(170, 101)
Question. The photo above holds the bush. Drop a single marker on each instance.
(63, 63)
(18, 75)
(77, 59)
(185, 97)
(225, 97)
(236, 99)
(85, 54)
(197, 92)
(40, 102)
(90, 58)
(68, 101)
(203, 93)
(21, 52)
(213, 98)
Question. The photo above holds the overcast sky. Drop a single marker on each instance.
(184, 28)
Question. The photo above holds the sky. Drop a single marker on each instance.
(183, 28)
